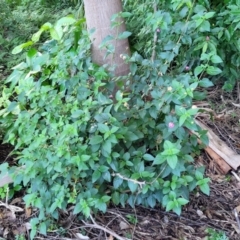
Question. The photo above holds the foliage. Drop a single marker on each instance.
(216, 235)
(191, 33)
(7, 193)
(84, 148)
(19, 19)
(80, 145)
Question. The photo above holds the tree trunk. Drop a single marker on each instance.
(98, 16)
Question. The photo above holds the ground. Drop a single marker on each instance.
(218, 212)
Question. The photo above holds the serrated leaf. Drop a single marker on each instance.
(124, 35)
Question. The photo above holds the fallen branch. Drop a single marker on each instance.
(97, 226)
(220, 148)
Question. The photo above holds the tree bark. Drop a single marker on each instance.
(98, 16)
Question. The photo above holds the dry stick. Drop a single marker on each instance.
(97, 226)
(155, 35)
(236, 216)
(129, 179)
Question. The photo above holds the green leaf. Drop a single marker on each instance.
(126, 14)
(211, 70)
(36, 36)
(177, 210)
(55, 34)
(205, 189)
(205, 26)
(198, 70)
(116, 198)
(148, 157)
(43, 228)
(209, 15)
(182, 119)
(172, 161)
(182, 201)
(205, 82)
(198, 175)
(95, 140)
(132, 186)
(117, 182)
(96, 175)
(19, 48)
(159, 159)
(216, 59)
(133, 68)
(180, 110)
(170, 206)
(151, 201)
(124, 35)
(103, 128)
(65, 21)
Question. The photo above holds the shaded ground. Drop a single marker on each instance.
(215, 212)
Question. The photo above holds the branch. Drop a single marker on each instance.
(155, 38)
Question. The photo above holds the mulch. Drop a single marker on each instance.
(219, 211)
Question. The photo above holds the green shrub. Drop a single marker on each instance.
(188, 31)
(80, 147)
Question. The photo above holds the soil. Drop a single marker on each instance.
(219, 211)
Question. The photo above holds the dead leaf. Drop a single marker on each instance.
(200, 214)
(110, 237)
(28, 226)
(16, 200)
(123, 225)
(28, 212)
(238, 208)
(81, 237)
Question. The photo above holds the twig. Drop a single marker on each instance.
(155, 38)
(129, 179)
(236, 216)
(95, 225)
(235, 175)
